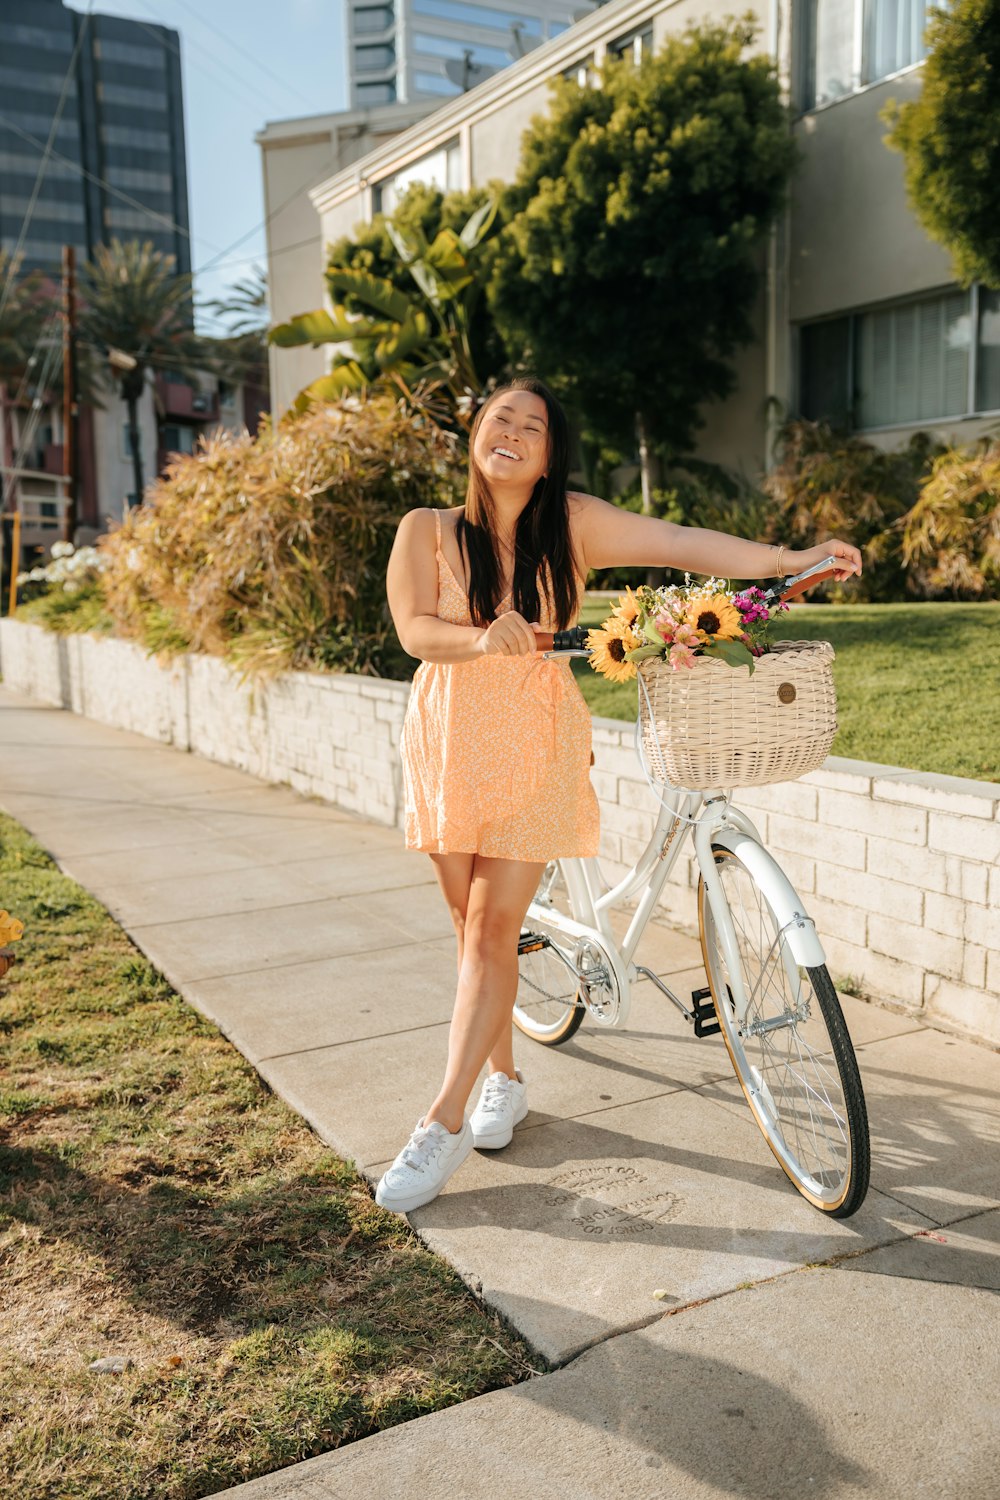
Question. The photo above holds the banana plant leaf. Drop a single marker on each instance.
(480, 224)
(346, 377)
(374, 291)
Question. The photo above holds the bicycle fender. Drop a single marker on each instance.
(784, 901)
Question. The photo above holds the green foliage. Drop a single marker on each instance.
(424, 210)
(629, 263)
(133, 299)
(951, 537)
(22, 316)
(271, 551)
(419, 335)
(830, 484)
(950, 140)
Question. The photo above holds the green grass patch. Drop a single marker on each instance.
(157, 1202)
(917, 684)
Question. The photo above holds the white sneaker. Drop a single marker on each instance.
(423, 1166)
(502, 1105)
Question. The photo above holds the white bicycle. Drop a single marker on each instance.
(769, 991)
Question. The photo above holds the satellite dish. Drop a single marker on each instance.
(467, 73)
(522, 43)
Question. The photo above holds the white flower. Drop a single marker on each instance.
(69, 587)
(61, 549)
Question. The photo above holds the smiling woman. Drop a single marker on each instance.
(496, 740)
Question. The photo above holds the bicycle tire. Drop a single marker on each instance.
(800, 1077)
(548, 1008)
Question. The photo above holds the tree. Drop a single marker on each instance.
(136, 311)
(241, 352)
(950, 138)
(629, 264)
(23, 316)
(416, 335)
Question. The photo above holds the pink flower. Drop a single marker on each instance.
(681, 656)
(687, 635)
(666, 625)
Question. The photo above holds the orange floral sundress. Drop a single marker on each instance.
(496, 751)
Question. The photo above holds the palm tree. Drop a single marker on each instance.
(22, 320)
(137, 312)
(241, 353)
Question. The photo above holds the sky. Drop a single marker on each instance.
(244, 63)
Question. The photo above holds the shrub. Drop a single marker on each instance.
(951, 537)
(829, 484)
(271, 551)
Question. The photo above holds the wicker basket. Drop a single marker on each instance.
(713, 725)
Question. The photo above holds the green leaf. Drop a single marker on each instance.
(308, 328)
(373, 291)
(651, 633)
(640, 653)
(476, 228)
(733, 653)
(401, 342)
(346, 377)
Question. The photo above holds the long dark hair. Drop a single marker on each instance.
(542, 538)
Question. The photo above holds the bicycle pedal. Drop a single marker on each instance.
(703, 1012)
(530, 942)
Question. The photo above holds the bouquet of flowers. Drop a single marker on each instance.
(681, 623)
(11, 931)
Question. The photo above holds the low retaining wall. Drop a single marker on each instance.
(901, 869)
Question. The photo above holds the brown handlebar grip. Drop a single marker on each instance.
(805, 584)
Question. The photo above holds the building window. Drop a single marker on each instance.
(372, 18)
(477, 15)
(374, 59)
(177, 439)
(988, 352)
(634, 46)
(925, 360)
(442, 46)
(368, 94)
(136, 57)
(850, 43)
(441, 169)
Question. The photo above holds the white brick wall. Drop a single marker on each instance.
(901, 869)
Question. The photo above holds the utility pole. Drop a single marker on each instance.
(71, 409)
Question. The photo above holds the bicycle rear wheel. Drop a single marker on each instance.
(792, 1053)
(549, 1006)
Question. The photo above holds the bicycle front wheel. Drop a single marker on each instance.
(792, 1052)
(550, 1006)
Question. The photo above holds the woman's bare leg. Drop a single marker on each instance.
(454, 873)
(499, 895)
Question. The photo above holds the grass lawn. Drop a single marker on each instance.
(157, 1202)
(918, 685)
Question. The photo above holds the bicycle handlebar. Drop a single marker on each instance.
(574, 640)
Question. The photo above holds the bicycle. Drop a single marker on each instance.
(769, 991)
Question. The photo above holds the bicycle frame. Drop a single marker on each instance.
(720, 823)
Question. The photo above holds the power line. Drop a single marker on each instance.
(238, 48)
(164, 219)
(172, 47)
(46, 152)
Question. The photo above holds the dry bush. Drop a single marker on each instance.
(271, 551)
(951, 537)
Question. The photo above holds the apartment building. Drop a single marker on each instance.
(859, 318)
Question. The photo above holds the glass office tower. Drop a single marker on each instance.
(116, 167)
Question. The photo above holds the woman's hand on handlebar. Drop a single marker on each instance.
(509, 635)
(797, 562)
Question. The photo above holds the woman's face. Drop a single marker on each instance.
(512, 443)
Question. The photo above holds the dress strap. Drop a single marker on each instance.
(437, 528)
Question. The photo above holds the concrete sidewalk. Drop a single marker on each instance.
(637, 1171)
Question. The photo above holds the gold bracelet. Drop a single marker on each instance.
(777, 561)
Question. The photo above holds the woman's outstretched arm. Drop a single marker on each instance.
(611, 537)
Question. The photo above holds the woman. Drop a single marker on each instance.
(496, 741)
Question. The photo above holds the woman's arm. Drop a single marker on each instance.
(611, 537)
(412, 588)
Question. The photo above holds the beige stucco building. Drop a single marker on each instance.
(859, 313)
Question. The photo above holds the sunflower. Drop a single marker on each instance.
(627, 607)
(714, 616)
(608, 646)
